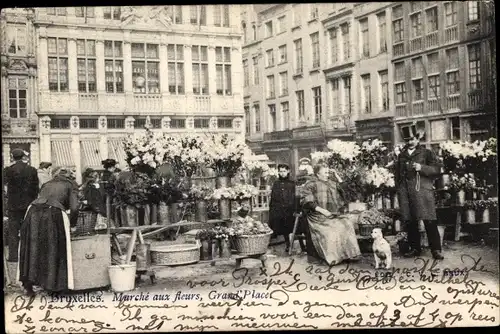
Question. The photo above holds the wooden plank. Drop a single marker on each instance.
(131, 246)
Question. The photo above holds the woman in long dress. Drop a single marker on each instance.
(45, 245)
(332, 235)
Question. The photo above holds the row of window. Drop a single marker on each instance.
(145, 61)
(197, 14)
(119, 123)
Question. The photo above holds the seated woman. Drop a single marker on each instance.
(45, 246)
(331, 236)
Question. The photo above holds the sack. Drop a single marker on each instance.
(102, 222)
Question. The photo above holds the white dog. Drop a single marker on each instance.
(381, 249)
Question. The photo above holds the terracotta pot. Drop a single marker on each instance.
(225, 209)
(222, 181)
(201, 211)
(164, 214)
(486, 216)
(224, 249)
(461, 197)
(206, 250)
(131, 216)
(470, 216)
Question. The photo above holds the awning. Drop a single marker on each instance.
(116, 151)
(62, 154)
(90, 154)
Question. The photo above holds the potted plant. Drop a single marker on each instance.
(205, 237)
(462, 185)
(224, 195)
(370, 219)
(221, 236)
(483, 206)
(132, 194)
(225, 154)
(201, 194)
(245, 192)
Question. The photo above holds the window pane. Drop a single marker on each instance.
(62, 46)
(152, 51)
(90, 48)
(108, 48)
(80, 47)
(118, 49)
(138, 50)
(22, 93)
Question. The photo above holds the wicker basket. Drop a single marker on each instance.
(365, 230)
(252, 244)
(171, 255)
(86, 222)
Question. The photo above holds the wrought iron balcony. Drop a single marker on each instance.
(278, 135)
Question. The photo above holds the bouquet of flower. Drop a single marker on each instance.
(222, 232)
(373, 217)
(186, 155)
(225, 154)
(342, 156)
(204, 235)
(244, 191)
(144, 152)
(465, 182)
(136, 193)
(255, 167)
(201, 192)
(250, 227)
(270, 175)
(379, 177)
(481, 204)
(467, 156)
(168, 190)
(372, 152)
(224, 193)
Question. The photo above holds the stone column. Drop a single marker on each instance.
(72, 63)
(6, 154)
(45, 146)
(75, 147)
(127, 71)
(163, 66)
(237, 70)
(103, 137)
(188, 69)
(43, 62)
(100, 68)
(209, 9)
(212, 89)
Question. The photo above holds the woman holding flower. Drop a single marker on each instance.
(329, 238)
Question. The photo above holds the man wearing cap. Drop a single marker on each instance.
(22, 188)
(415, 171)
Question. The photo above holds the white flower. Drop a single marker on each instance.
(135, 160)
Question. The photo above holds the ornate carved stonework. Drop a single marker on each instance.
(103, 123)
(17, 65)
(237, 123)
(129, 123)
(75, 122)
(145, 16)
(190, 123)
(165, 122)
(213, 123)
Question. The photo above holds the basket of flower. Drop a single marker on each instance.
(370, 219)
(250, 237)
(175, 254)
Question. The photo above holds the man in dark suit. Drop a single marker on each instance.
(416, 169)
(22, 189)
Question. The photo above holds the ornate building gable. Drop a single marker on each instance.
(145, 17)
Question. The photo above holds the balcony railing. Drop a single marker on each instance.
(147, 102)
(431, 39)
(398, 49)
(401, 110)
(418, 108)
(416, 44)
(475, 99)
(451, 34)
(202, 104)
(453, 102)
(261, 201)
(433, 105)
(278, 135)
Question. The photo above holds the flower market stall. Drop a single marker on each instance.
(189, 187)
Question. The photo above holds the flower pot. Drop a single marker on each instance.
(222, 181)
(154, 214)
(206, 250)
(486, 216)
(470, 216)
(224, 249)
(378, 202)
(225, 208)
(164, 214)
(147, 214)
(444, 180)
(395, 201)
(461, 197)
(174, 212)
(201, 211)
(387, 202)
(131, 216)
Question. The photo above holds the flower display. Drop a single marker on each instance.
(256, 167)
(186, 155)
(137, 191)
(271, 175)
(481, 204)
(346, 150)
(144, 152)
(244, 191)
(249, 227)
(202, 192)
(379, 177)
(464, 182)
(224, 193)
(373, 217)
(222, 232)
(372, 152)
(465, 155)
(225, 154)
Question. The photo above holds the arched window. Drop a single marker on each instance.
(244, 28)
(254, 32)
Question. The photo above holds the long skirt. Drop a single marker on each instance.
(45, 249)
(333, 238)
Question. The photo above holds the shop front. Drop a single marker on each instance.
(376, 128)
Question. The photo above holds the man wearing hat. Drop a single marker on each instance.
(22, 188)
(415, 171)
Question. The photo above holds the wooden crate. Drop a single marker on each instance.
(91, 259)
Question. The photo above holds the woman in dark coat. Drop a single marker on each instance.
(92, 193)
(45, 245)
(108, 179)
(282, 205)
